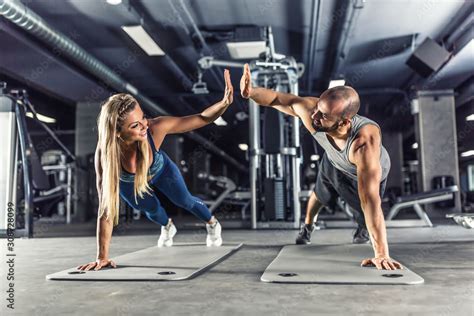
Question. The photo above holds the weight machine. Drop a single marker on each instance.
(274, 146)
(19, 158)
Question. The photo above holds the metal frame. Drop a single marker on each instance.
(289, 68)
(470, 177)
(273, 63)
(68, 168)
(417, 205)
(24, 147)
(466, 220)
(25, 153)
(10, 154)
(223, 182)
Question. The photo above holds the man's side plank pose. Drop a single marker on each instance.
(355, 164)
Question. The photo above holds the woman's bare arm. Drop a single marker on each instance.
(104, 226)
(183, 124)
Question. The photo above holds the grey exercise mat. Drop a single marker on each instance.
(332, 264)
(180, 262)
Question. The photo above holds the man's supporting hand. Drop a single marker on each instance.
(381, 263)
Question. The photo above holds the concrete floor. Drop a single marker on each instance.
(443, 256)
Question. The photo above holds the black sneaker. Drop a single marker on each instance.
(361, 236)
(304, 237)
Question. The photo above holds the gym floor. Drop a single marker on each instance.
(442, 255)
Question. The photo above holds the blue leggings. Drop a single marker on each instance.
(170, 182)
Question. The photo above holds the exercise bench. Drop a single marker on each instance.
(417, 201)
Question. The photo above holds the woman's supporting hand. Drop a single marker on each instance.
(97, 265)
(229, 90)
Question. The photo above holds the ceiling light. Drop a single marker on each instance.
(470, 117)
(245, 50)
(468, 153)
(243, 147)
(220, 121)
(114, 2)
(336, 83)
(42, 118)
(414, 146)
(144, 40)
(131, 89)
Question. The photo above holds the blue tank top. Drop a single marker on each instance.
(155, 167)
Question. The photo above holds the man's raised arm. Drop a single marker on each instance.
(287, 103)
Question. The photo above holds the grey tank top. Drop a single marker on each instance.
(340, 159)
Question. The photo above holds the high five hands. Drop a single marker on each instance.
(246, 82)
(245, 85)
(229, 90)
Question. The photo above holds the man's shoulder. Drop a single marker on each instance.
(368, 130)
(367, 133)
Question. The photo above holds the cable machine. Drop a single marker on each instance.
(274, 145)
(21, 163)
(274, 148)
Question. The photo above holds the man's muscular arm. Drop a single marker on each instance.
(287, 103)
(367, 160)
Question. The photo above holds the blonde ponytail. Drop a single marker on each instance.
(112, 115)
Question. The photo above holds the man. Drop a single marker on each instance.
(355, 164)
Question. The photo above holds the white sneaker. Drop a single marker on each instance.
(214, 238)
(167, 234)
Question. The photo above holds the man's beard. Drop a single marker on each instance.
(320, 128)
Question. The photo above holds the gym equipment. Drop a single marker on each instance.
(416, 201)
(243, 198)
(437, 143)
(466, 220)
(280, 155)
(230, 195)
(200, 87)
(9, 158)
(223, 182)
(341, 217)
(40, 194)
(439, 182)
(180, 262)
(332, 264)
(201, 166)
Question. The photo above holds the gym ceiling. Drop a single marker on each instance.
(368, 46)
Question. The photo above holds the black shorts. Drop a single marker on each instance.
(332, 183)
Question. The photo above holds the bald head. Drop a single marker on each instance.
(342, 100)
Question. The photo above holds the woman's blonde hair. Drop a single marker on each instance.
(109, 123)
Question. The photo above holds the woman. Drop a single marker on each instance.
(128, 163)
